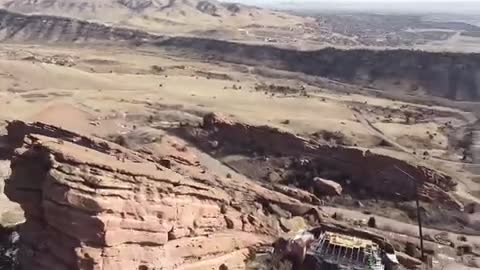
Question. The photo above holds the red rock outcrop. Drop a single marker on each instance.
(91, 204)
(260, 137)
(378, 174)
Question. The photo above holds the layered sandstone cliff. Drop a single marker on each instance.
(90, 204)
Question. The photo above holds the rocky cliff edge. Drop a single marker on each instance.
(91, 204)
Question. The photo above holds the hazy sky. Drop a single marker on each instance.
(409, 6)
(361, 1)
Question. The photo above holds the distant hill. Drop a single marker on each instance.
(158, 16)
(16, 27)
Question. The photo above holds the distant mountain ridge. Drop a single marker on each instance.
(93, 6)
(157, 16)
(15, 27)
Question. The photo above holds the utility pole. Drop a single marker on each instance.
(419, 218)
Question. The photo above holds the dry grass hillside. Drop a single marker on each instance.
(162, 16)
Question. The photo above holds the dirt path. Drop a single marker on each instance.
(464, 185)
(375, 131)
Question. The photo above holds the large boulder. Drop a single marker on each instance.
(295, 248)
(327, 187)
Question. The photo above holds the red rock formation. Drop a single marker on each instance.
(91, 204)
(374, 172)
(260, 137)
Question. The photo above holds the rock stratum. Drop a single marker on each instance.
(91, 204)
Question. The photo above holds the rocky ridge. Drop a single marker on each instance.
(160, 16)
(91, 204)
(86, 9)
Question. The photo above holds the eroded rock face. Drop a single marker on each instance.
(90, 204)
(263, 138)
